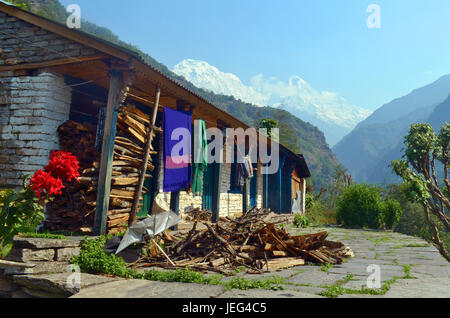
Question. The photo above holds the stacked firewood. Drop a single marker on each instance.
(132, 129)
(74, 210)
(252, 240)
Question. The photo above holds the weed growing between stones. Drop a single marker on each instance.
(43, 236)
(337, 289)
(326, 267)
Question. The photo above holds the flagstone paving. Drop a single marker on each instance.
(396, 255)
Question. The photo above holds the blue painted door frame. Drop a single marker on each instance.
(275, 197)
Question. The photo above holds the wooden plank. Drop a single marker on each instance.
(285, 263)
(109, 135)
(148, 148)
(58, 62)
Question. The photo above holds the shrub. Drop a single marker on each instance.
(301, 221)
(18, 212)
(317, 212)
(360, 205)
(392, 212)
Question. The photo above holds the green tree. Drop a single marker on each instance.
(268, 124)
(423, 149)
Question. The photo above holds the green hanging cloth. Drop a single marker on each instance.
(201, 158)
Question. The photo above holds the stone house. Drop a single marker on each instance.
(50, 74)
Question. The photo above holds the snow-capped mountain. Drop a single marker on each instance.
(327, 110)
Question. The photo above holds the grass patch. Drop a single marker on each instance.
(407, 271)
(337, 289)
(42, 236)
(326, 267)
(416, 245)
(94, 260)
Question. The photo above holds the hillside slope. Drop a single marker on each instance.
(440, 115)
(368, 150)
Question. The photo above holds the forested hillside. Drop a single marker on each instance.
(369, 149)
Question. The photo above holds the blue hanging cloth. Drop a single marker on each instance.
(177, 150)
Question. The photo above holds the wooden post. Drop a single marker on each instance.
(303, 197)
(148, 145)
(217, 188)
(245, 194)
(175, 205)
(109, 136)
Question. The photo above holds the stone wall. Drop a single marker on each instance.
(230, 203)
(31, 107)
(31, 110)
(22, 42)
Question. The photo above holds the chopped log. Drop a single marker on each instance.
(280, 263)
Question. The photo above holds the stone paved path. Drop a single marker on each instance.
(410, 267)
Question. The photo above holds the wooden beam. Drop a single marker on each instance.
(59, 62)
(148, 144)
(109, 135)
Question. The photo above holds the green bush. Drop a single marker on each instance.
(392, 212)
(360, 205)
(301, 221)
(19, 212)
(317, 211)
(93, 259)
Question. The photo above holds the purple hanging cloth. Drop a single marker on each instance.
(177, 150)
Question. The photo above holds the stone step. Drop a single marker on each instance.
(14, 268)
(58, 285)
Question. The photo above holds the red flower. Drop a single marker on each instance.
(43, 183)
(63, 165)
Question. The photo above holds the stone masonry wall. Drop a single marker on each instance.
(22, 42)
(230, 203)
(31, 110)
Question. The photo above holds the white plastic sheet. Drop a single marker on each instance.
(151, 226)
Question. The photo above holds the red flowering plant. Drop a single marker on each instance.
(23, 211)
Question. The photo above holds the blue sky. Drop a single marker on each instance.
(325, 42)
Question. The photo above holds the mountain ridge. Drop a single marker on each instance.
(326, 110)
(368, 150)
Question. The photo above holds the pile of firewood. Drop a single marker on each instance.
(252, 240)
(132, 129)
(74, 210)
